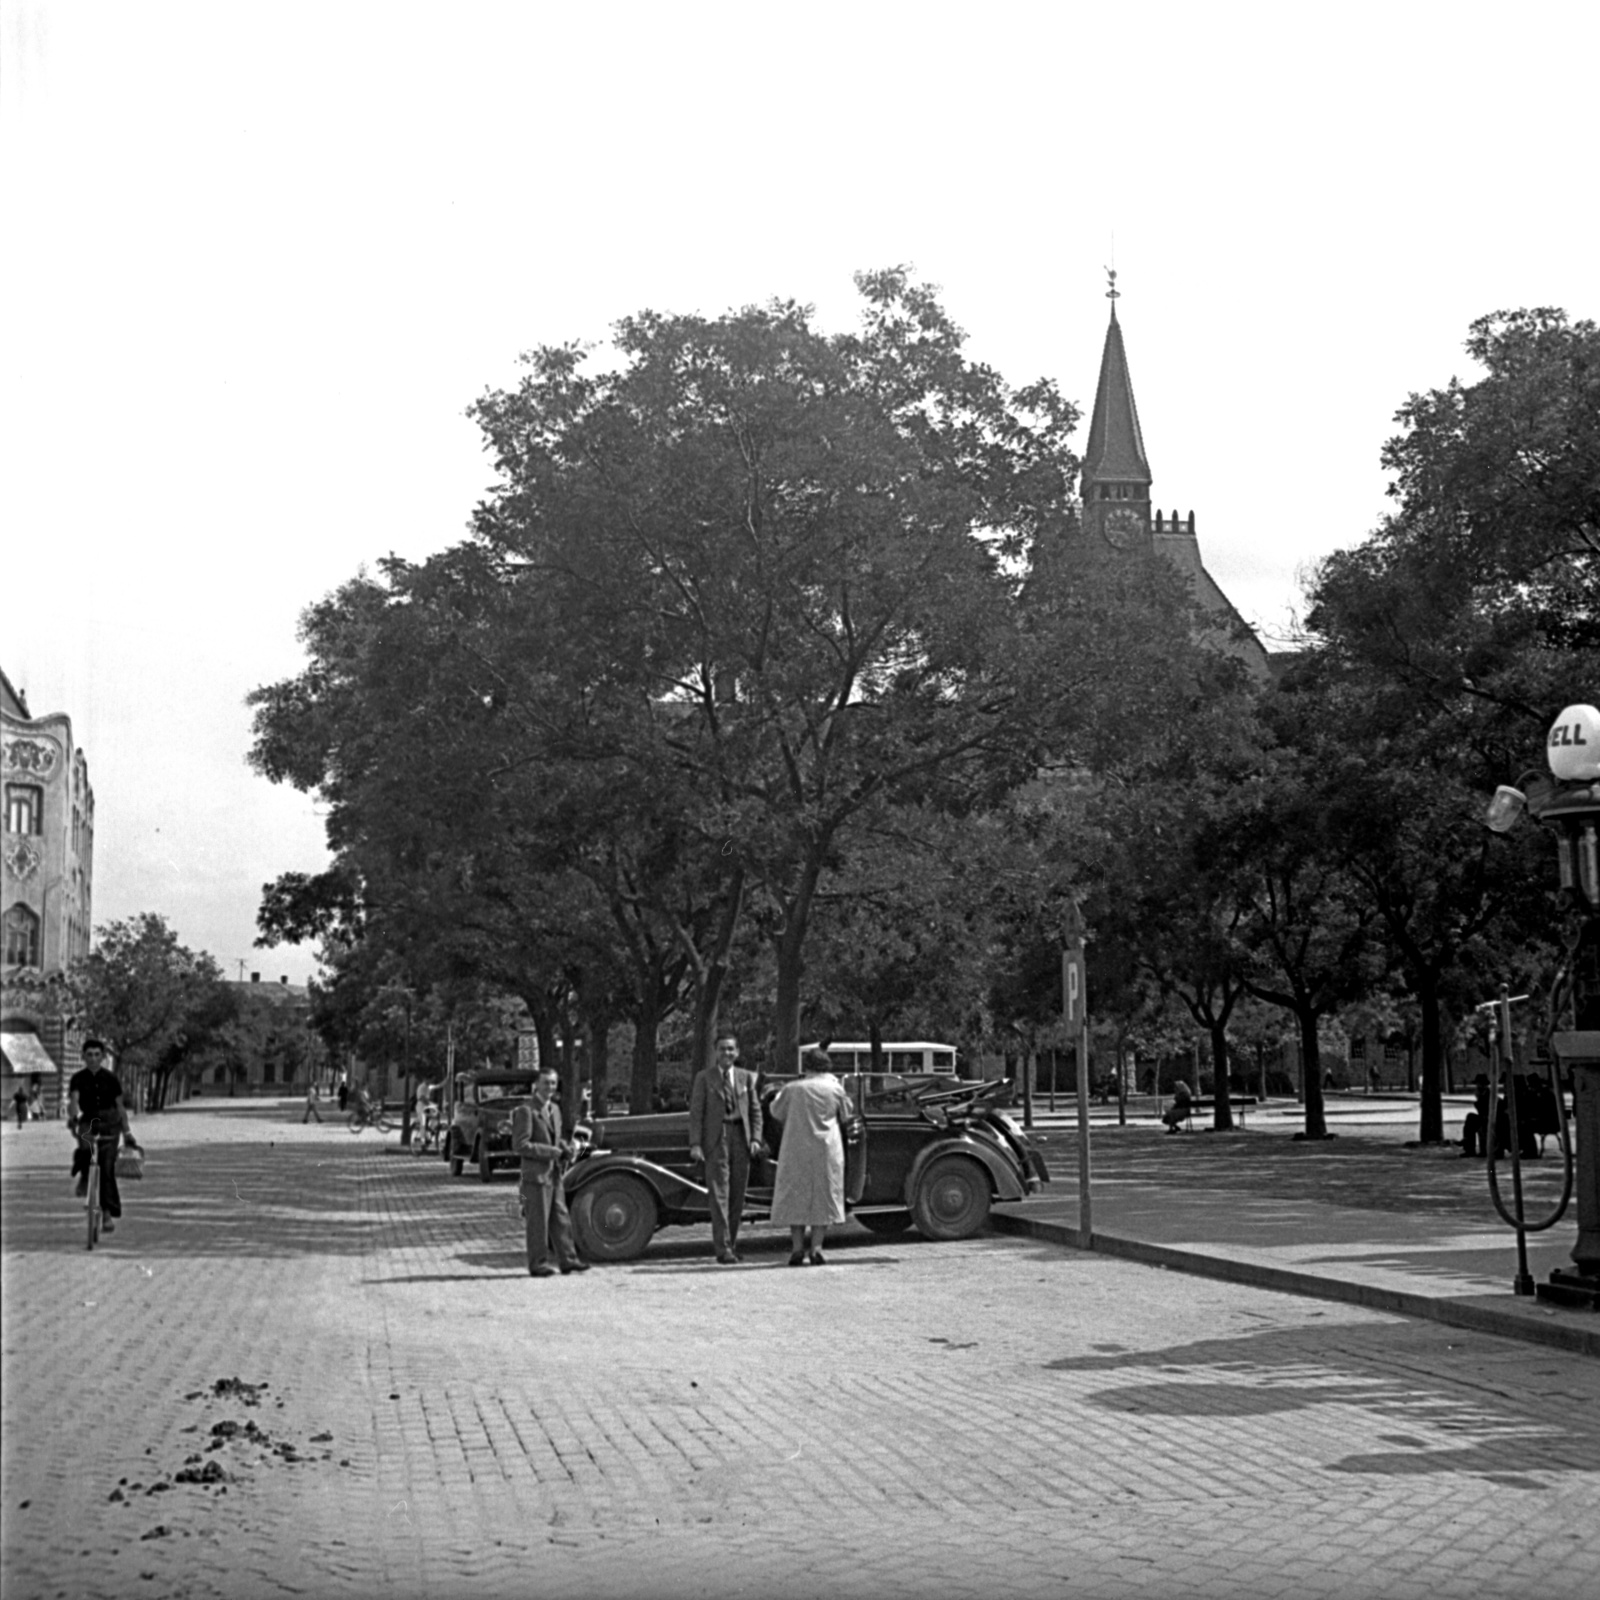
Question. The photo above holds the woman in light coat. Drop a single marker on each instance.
(809, 1192)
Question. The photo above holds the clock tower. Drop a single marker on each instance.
(1117, 524)
(1116, 476)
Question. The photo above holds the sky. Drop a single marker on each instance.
(259, 258)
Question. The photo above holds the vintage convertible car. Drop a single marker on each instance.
(480, 1126)
(922, 1151)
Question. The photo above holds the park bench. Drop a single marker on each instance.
(1239, 1103)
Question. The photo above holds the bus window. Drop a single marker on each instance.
(898, 1055)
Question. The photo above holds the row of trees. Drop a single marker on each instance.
(167, 1013)
(769, 685)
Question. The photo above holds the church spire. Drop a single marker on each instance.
(1115, 452)
(1115, 482)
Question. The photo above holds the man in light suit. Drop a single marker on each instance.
(724, 1132)
(536, 1137)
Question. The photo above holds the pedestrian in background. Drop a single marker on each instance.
(536, 1137)
(808, 1195)
(312, 1097)
(20, 1101)
(725, 1132)
(344, 1092)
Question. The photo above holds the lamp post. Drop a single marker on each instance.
(1568, 803)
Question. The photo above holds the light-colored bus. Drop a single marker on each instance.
(914, 1055)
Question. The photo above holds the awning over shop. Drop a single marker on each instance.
(25, 1055)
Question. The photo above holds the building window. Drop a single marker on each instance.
(22, 937)
(266, 1072)
(24, 808)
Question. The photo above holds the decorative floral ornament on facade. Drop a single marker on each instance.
(36, 756)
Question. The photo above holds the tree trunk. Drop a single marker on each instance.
(789, 947)
(1222, 1114)
(1311, 1075)
(569, 1078)
(647, 1020)
(543, 1030)
(1432, 1128)
(599, 1026)
(713, 975)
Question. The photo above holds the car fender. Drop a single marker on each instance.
(672, 1190)
(1002, 1170)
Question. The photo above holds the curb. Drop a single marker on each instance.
(1572, 1336)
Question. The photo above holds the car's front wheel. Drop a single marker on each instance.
(452, 1154)
(614, 1218)
(485, 1164)
(952, 1199)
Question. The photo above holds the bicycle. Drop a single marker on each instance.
(426, 1132)
(92, 1139)
(364, 1116)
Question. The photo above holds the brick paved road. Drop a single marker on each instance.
(989, 1418)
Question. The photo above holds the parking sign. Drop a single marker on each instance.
(1074, 986)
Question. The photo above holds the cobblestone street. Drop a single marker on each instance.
(414, 1416)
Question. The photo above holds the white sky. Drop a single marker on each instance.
(259, 258)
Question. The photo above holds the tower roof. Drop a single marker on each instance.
(1116, 446)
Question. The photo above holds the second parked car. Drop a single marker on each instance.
(480, 1126)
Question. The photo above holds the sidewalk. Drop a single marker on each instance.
(1367, 1218)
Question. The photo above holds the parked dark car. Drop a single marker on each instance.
(924, 1152)
(480, 1125)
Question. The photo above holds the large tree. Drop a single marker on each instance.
(741, 588)
(1453, 637)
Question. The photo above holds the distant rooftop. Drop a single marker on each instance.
(280, 993)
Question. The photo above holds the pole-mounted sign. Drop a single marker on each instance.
(1075, 1006)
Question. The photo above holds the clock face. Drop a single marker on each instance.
(1123, 528)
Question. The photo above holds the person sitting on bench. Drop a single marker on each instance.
(1181, 1109)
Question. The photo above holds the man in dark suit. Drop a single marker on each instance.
(536, 1137)
(724, 1132)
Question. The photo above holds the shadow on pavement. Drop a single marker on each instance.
(1293, 1369)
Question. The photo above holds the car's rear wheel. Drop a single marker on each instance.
(952, 1199)
(614, 1218)
(485, 1165)
(452, 1154)
(886, 1224)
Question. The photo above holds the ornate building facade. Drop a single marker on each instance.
(46, 882)
(1118, 520)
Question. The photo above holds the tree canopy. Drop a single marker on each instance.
(741, 591)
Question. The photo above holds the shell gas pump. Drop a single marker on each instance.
(1568, 803)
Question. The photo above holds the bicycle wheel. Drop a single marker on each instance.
(92, 1205)
(355, 1122)
(382, 1122)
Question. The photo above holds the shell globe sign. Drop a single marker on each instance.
(1573, 747)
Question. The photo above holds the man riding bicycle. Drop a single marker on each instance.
(97, 1115)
